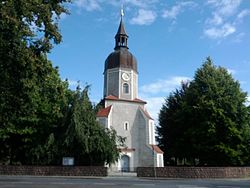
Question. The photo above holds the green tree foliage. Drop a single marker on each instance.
(40, 119)
(31, 92)
(171, 128)
(208, 121)
(81, 135)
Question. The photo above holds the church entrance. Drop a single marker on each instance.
(125, 163)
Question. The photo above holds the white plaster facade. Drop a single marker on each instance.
(127, 114)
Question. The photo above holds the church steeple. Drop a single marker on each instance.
(120, 72)
(121, 37)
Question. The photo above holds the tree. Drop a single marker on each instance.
(30, 87)
(171, 127)
(82, 137)
(213, 119)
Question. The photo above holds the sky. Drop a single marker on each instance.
(169, 38)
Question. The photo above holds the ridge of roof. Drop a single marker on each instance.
(111, 97)
(156, 149)
(146, 113)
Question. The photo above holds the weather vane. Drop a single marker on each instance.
(122, 11)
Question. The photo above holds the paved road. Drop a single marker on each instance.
(117, 182)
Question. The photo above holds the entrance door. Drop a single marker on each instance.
(125, 163)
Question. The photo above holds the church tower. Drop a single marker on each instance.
(120, 72)
(124, 112)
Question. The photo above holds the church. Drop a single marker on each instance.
(125, 112)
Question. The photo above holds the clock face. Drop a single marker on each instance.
(125, 76)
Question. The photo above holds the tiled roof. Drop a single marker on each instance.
(156, 149)
(111, 97)
(127, 149)
(104, 112)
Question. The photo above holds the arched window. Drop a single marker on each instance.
(125, 88)
(126, 126)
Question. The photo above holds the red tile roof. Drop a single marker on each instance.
(156, 149)
(127, 149)
(104, 112)
(111, 97)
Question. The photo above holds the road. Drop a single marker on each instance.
(117, 182)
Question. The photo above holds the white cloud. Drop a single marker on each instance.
(243, 14)
(155, 93)
(174, 11)
(144, 17)
(141, 3)
(220, 32)
(225, 7)
(215, 20)
(145, 8)
(89, 5)
(224, 19)
(154, 105)
(164, 86)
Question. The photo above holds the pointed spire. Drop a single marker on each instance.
(121, 29)
(121, 37)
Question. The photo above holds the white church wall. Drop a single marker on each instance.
(145, 152)
(132, 81)
(151, 128)
(109, 119)
(135, 84)
(160, 162)
(140, 131)
(128, 112)
(125, 113)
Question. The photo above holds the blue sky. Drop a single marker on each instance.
(169, 38)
